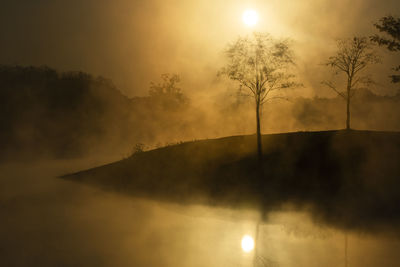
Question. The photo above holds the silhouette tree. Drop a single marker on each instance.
(259, 63)
(352, 57)
(390, 26)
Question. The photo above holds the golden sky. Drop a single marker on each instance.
(133, 42)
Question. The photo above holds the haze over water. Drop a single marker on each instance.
(47, 220)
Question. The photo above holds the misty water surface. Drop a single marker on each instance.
(47, 221)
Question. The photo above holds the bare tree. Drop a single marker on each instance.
(259, 64)
(390, 26)
(352, 57)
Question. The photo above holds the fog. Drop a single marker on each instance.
(93, 105)
(47, 221)
(50, 114)
(133, 42)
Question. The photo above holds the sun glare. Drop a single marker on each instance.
(247, 243)
(250, 17)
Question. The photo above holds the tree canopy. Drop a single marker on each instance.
(259, 63)
(390, 27)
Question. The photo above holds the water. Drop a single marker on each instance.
(46, 221)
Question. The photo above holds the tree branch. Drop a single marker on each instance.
(332, 86)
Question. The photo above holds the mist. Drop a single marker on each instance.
(48, 221)
(122, 144)
(133, 42)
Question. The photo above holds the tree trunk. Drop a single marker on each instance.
(259, 144)
(348, 108)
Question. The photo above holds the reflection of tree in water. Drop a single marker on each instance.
(259, 260)
(346, 244)
(265, 262)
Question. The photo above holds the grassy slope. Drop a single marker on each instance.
(350, 179)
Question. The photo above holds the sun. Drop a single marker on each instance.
(250, 17)
(247, 243)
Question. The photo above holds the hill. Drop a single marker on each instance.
(349, 179)
(46, 113)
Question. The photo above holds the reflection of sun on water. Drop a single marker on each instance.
(247, 243)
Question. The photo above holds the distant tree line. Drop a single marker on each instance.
(45, 112)
(55, 113)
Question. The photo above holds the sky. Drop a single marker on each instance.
(133, 42)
